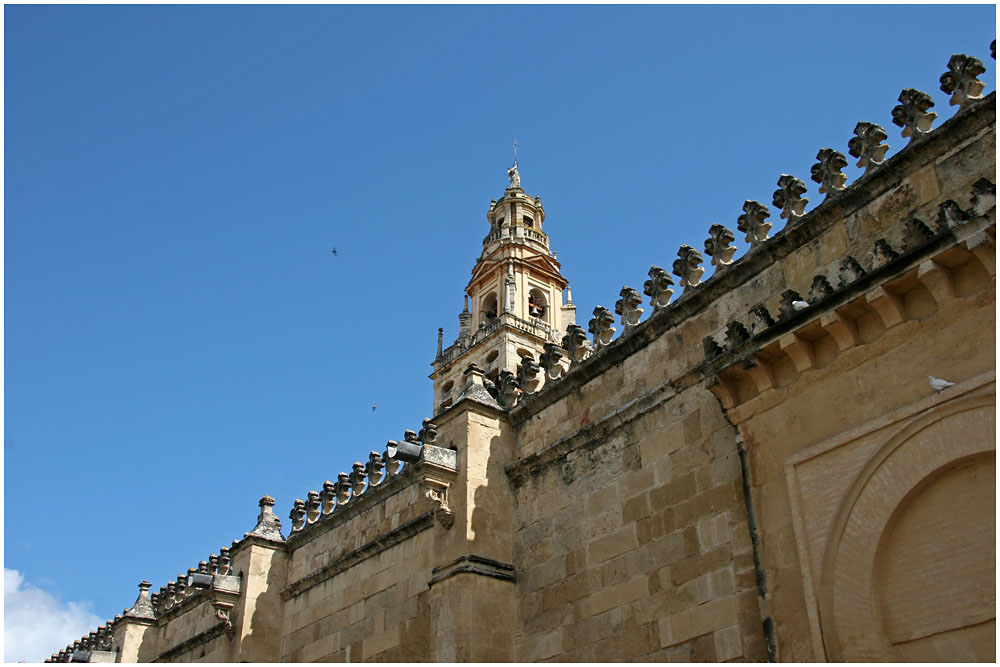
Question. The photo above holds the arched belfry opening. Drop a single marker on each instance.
(489, 309)
(538, 305)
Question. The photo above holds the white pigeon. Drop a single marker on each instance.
(937, 384)
(800, 305)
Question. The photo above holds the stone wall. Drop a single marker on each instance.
(634, 539)
(357, 584)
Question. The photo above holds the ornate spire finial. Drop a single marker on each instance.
(515, 178)
(143, 607)
(268, 525)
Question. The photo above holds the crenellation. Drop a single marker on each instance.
(753, 222)
(373, 469)
(736, 334)
(343, 488)
(788, 197)
(882, 254)
(393, 466)
(821, 289)
(180, 589)
(658, 288)
(761, 318)
(867, 145)
(827, 172)
(791, 303)
(313, 505)
(297, 516)
(357, 477)
(912, 113)
(628, 308)
(428, 433)
(508, 389)
(719, 246)
(170, 599)
(916, 234)
(688, 267)
(711, 347)
(950, 216)
(961, 82)
(984, 197)
(601, 328)
(529, 375)
(576, 345)
(850, 271)
(328, 497)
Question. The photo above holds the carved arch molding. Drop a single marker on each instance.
(903, 562)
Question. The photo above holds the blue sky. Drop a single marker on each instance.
(180, 339)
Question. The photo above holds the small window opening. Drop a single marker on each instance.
(528, 222)
(491, 357)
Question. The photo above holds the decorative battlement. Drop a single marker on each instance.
(911, 114)
(214, 574)
(93, 647)
(212, 580)
(363, 480)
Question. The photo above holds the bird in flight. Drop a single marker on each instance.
(373, 408)
(335, 252)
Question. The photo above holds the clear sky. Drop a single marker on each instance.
(180, 339)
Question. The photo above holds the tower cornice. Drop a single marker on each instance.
(546, 267)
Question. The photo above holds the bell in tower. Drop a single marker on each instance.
(514, 301)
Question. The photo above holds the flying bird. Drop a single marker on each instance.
(335, 252)
(373, 408)
(937, 384)
(800, 305)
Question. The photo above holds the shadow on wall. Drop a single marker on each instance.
(489, 588)
(263, 641)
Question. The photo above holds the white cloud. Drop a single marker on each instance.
(36, 623)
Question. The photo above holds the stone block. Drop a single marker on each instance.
(538, 648)
(609, 546)
(662, 442)
(680, 488)
(616, 596)
(925, 185)
(634, 509)
(713, 531)
(637, 482)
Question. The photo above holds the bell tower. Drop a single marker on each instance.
(514, 302)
